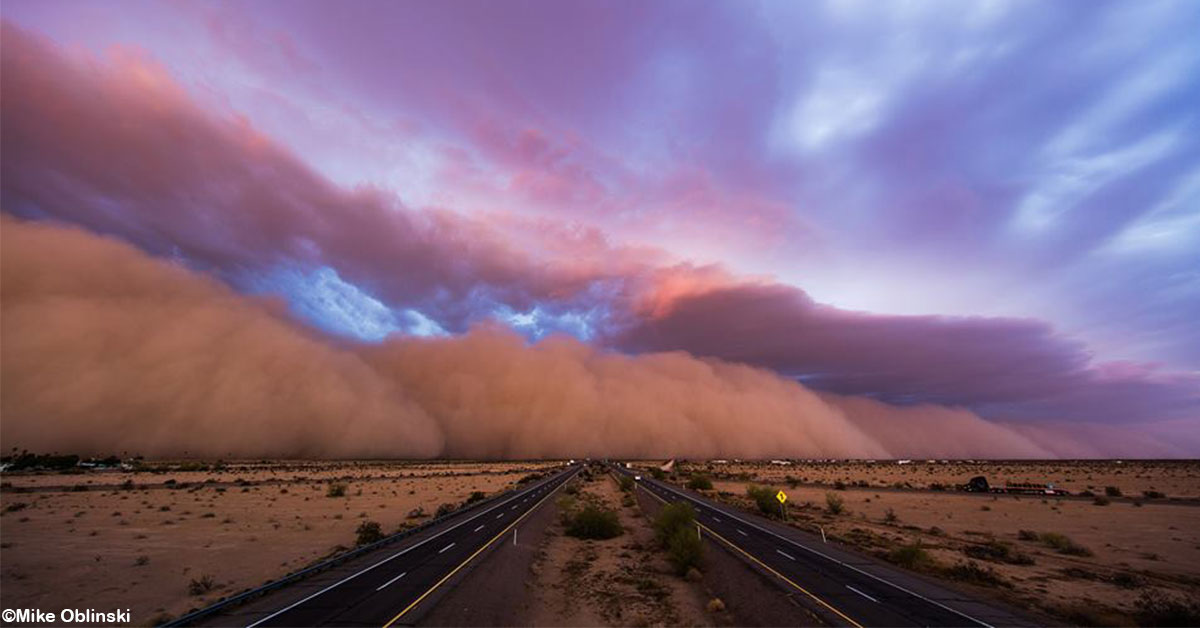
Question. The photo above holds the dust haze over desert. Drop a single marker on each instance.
(185, 273)
(116, 352)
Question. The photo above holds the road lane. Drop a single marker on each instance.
(381, 592)
(857, 590)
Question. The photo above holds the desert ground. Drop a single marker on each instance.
(1179, 479)
(172, 536)
(1080, 561)
(177, 537)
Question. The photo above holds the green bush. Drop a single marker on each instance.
(1063, 544)
(834, 504)
(911, 556)
(1101, 500)
(476, 496)
(764, 498)
(593, 522)
(201, 585)
(336, 489)
(999, 552)
(444, 510)
(972, 572)
(673, 517)
(625, 482)
(700, 483)
(657, 474)
(1112, 491)
(369, 532)
(675, 530)
(684, 550)
(1127, 580)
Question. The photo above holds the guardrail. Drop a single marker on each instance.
(250, 594)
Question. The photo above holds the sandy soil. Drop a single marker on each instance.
(157, 474)
(1133, 549)
(1173, 478)
(624, 581)
(141, 549)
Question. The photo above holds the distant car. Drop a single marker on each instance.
(637, 478)
(977, 484)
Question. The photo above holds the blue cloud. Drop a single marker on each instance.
(327, 301)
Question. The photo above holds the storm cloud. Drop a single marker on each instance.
(136, 332)
(1010, 368)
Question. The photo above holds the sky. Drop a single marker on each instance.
(986, 212)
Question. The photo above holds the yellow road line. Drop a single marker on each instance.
(764, 566)
(471, 557)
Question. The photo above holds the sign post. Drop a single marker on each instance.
(782, 497)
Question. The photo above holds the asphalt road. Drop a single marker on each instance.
(842, 586)
(399, 579)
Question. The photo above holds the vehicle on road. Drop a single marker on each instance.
(979, 484)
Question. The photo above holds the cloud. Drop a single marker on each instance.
(1001, 367)
(107, 349)
(118, 147)
(115, 145)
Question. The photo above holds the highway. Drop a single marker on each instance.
(843, 587)
(386, 587)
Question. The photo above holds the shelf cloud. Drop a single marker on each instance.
(179, 281)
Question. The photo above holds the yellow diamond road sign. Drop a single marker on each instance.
(781, 496)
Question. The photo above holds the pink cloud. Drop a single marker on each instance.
(1003, 368)
(117, 146)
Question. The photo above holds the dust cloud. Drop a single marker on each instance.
(104, 349)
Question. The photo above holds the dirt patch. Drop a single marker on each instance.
(623, 581)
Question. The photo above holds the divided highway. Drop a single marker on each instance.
(397, 579)
(846, 588)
